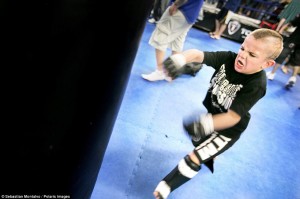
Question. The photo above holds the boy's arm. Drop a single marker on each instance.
(206, 124)
(193, 55)
(225, 120)
(178, 64)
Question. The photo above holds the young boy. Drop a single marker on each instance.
(238, 82)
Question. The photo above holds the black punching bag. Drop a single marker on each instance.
(65, 65)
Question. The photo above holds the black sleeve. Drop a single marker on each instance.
(217, 59)
(248, 96)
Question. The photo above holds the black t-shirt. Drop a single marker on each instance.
(232, 90)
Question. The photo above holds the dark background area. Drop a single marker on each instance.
(64, 73)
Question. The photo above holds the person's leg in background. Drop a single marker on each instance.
(158, 9)
(292, 80)
(285, 69)
(177, 27)
(282, 26)
(282, 60)
(220, 18)
(155, 12)
(220, 24)
(271, 74)
(219, 33)
(295, 62)
(217, 28)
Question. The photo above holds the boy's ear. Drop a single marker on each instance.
(270, 63)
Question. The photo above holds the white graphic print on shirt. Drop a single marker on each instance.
(224, 91)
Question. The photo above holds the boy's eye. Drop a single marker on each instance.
(251, 54)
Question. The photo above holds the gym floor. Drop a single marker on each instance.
(148, 141)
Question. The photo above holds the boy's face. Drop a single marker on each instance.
(253, 55)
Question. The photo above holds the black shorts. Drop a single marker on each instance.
(288, 49)
(214, 145)
(295, 57)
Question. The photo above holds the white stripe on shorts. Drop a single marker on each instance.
(212, 145)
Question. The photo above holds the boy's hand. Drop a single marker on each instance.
(199, 129)
(174, 70)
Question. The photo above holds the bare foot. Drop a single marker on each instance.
(157, 195)
(215, 36)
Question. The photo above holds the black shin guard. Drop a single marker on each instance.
(185, 170)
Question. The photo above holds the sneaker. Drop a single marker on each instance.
(154, 76)
(270, 75)
(152, 20)
(291, 82)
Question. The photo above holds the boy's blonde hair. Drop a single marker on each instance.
(270, 36)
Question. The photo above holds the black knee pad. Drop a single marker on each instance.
(191, 164)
